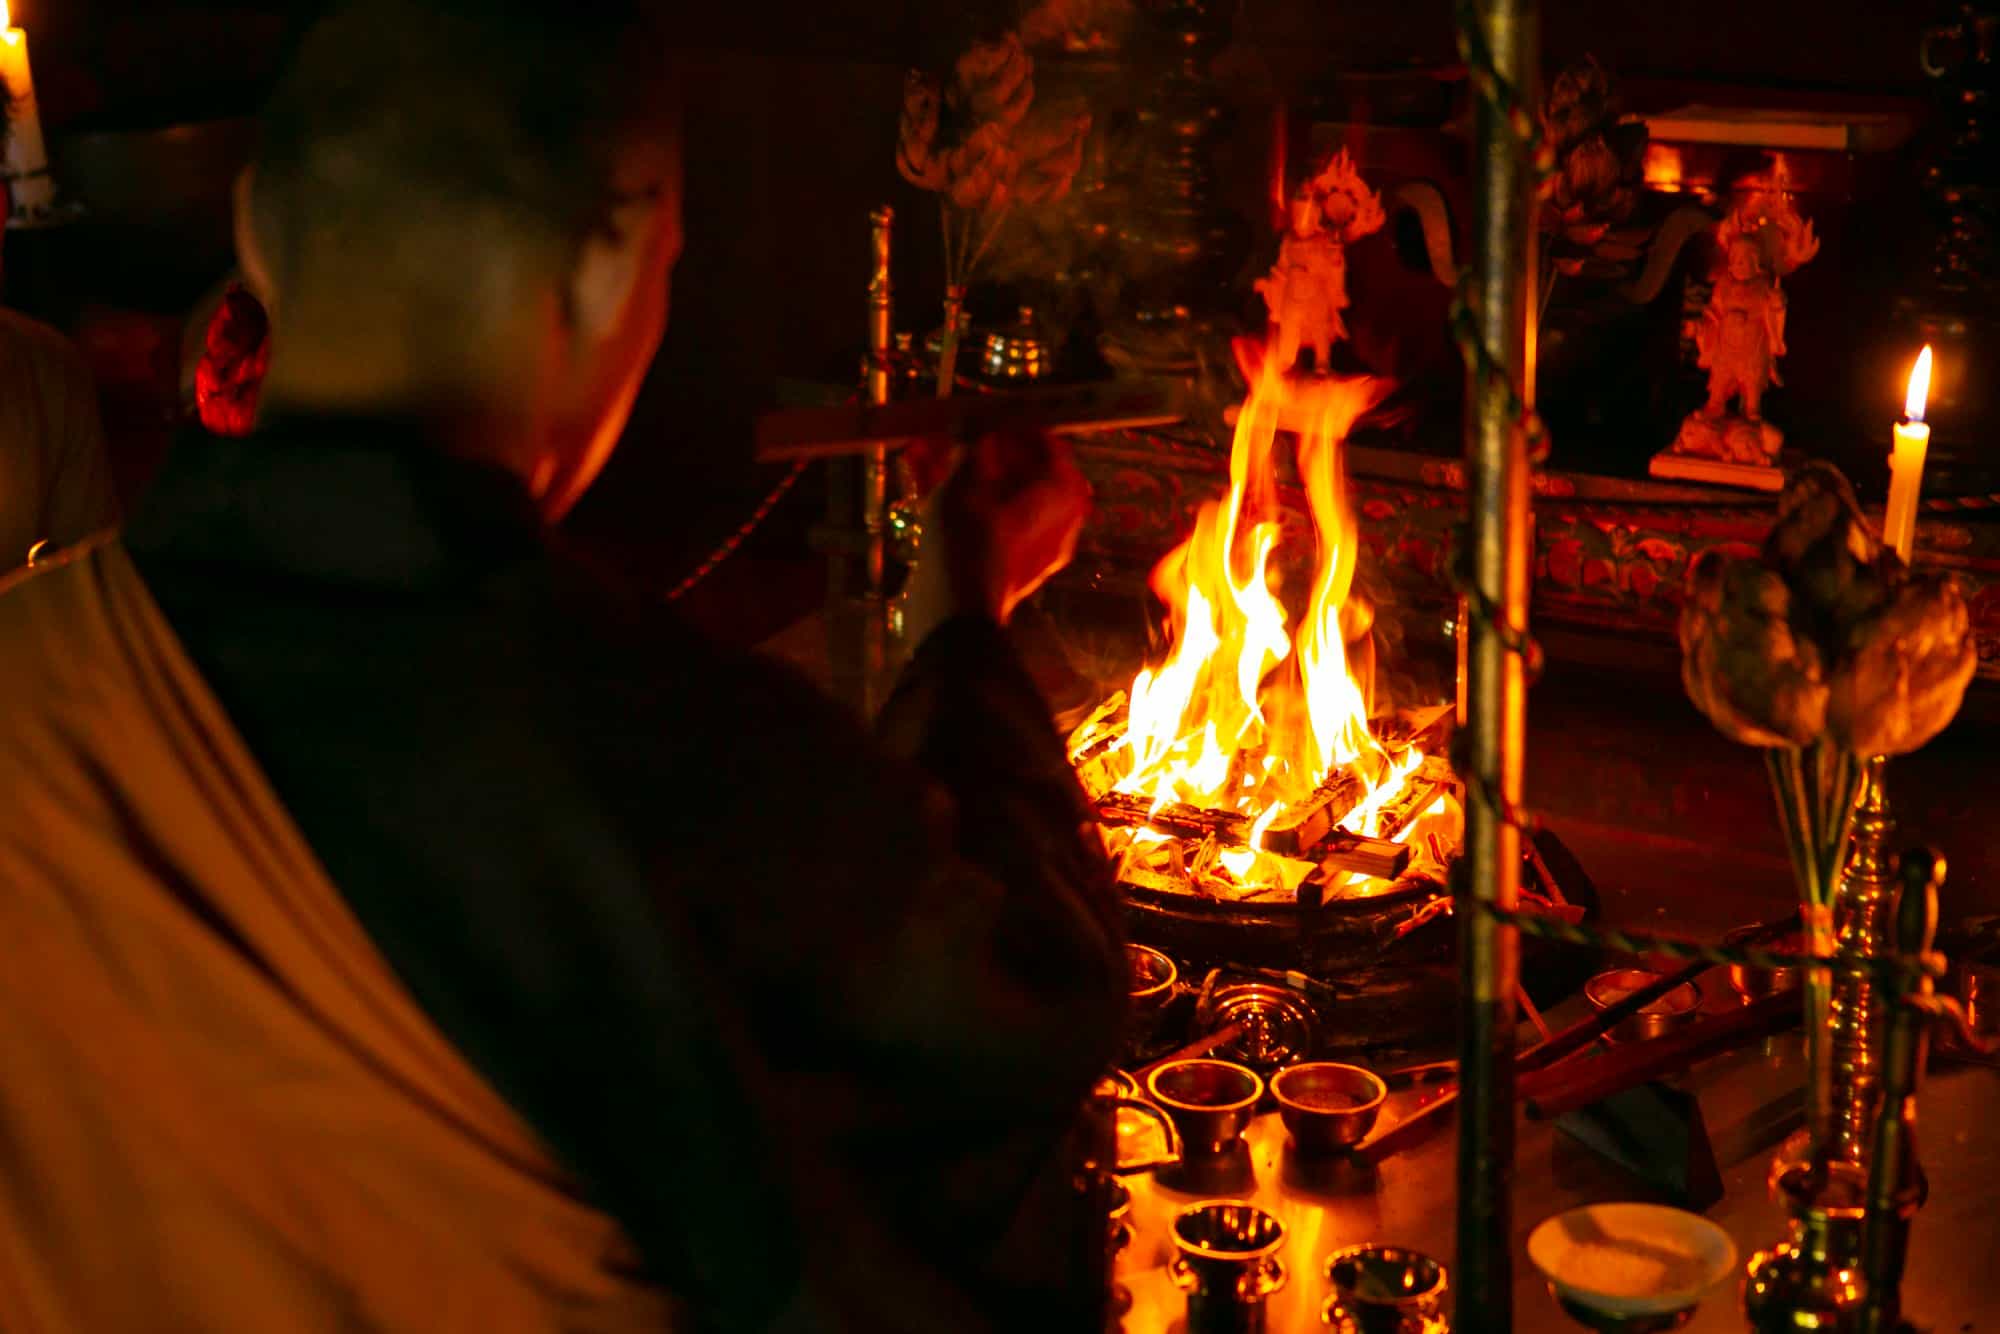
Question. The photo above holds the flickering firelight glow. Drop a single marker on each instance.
(1257, 706)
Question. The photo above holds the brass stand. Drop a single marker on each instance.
(1892, 1187)
(1861, 923)
(862, 620)
(1842, 1270)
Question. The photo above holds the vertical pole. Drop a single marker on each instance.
(1497, 473)
(876, 631)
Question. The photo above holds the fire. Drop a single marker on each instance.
(1252, 710)
(1917, 396)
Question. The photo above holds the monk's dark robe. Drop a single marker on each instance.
(804, 1012)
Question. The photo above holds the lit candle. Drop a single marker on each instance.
(1906, 461)
(25, 169)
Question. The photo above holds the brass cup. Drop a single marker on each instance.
(1385, 1290)
(1226, 1260)
(1151, 988)
(1210, 1101)
(1680, 1006)
(1327, 1106)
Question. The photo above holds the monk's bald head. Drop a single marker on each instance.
(443, 186)
(398, 116)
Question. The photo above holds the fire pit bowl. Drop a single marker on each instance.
(1210, 1102)
(1327, 1106)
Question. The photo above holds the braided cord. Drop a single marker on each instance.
(728, 546)
(1889, 968)
(1488, 372)
(1504, 100)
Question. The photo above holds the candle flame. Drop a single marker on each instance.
(6, 20)
(1920, 377)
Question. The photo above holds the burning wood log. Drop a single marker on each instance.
(1316, 837)
(1351, 854)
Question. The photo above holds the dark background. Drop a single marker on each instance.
(792, 108)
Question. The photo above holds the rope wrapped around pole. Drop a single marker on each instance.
(1497, 39)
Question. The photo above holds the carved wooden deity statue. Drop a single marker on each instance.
(1742, 333)
(1307, 288)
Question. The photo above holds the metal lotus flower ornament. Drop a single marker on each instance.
(1830, 653)
(1828, 638)
(980, 139)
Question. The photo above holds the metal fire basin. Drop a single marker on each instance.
(1381, 980)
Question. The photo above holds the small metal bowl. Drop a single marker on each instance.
(1679, 1006)
(1327, 1106)
(1757, 983)
(1151, 986)
(1385, 1290)
(1210, 1101)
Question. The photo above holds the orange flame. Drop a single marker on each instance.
(1917, 397)
(1251, 712)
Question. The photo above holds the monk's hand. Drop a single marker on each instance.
(1005, 519)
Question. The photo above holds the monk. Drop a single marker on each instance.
(410, 930)
(55, 480)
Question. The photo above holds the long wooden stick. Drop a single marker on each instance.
(1550, 1093)
(1201, 1046)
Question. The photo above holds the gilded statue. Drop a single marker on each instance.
(1741, 334)
(1306, 290)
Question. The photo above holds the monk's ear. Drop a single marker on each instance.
(610, 265)
(250, 252)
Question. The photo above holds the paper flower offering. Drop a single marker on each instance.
(982, 142)
(979, 137)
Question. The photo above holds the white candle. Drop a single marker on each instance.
(25, 169)
(1906, 462)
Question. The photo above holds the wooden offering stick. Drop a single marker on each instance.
(1201, 1046)
(858, 428)
(1550, 1093)
(1586, 1031)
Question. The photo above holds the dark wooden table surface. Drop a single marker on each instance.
(1952, 1284)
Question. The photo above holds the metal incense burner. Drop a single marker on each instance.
(1227, 1262)
(1385, 1290)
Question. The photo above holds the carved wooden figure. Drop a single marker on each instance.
(1306, 290)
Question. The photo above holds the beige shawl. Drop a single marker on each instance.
(219, 1110)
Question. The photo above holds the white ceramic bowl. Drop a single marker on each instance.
(1631, 1259)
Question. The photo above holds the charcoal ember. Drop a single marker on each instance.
(236, 355)
(1906, 670)
(1758, 681)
